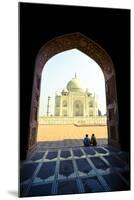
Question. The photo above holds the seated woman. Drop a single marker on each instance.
(93, 140)
(86, 141)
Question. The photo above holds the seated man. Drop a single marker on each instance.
(86, 141)
(93, 140)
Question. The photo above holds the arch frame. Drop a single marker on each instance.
(100, 56)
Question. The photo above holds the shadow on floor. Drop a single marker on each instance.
(76, 169)
(67, 143)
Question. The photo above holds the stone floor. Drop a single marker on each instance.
(66, 143)
(71, 170)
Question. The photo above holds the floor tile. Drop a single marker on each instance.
(66, 167)
(89, 150)
(83, 165)
(77, 152)
(51, 155)
(37, 156)
(99, 163)
(27, 171)
(92, 185)
(100, 150)
(40, 190)
(68, 187)
(47, 170)
(65, 154)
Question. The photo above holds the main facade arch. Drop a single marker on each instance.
(98, 54)
(77, 108)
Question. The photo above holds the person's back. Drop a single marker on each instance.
(86, 141)
(93, 140)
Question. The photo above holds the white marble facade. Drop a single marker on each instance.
(75, 101)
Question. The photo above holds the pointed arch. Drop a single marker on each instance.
(100, 56)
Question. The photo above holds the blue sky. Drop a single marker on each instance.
(61, 68)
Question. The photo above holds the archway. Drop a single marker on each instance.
(77, 108)
(98, 54)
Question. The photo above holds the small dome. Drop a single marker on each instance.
(74, 85)
(88, 92)
(64, 91)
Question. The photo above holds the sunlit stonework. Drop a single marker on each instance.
(74, 105)
(75, 101)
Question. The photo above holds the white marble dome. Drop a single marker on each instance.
(75, 85)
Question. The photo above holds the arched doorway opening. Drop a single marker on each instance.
(98, 54)
(72, 102)
(77, 108)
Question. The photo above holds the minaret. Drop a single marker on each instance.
(48, 105)
(75, 76)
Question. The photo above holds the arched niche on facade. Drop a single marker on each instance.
(77, 108)
(100, 56)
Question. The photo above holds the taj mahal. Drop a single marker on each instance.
(75, 101)
(74, 105)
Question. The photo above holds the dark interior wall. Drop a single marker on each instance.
(108, 27)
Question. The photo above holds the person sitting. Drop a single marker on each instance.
(93, 140)
(86, 141)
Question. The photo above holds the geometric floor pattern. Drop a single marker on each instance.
(71, 170)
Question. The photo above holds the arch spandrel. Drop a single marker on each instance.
(80, 42)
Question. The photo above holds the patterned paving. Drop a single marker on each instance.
(74, 170)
